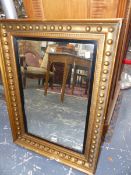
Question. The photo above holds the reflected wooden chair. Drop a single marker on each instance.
(67, 60)
(30, 66)
(81, 69)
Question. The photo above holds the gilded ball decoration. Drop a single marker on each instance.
(111, 29)
(17, 123)
(99, 28)
(97, 126)
(92, 155)
(44, 27)
(94, 142)
(96, 132)
(10, 27)
(90, 160)
(101, 101)
(52, 27)
(90, 165)
(110, 41)
(105, 71)
(68, 28)
(98, 120)
(106, 63)
(101, 94)
(104, 79)
(18, 27)
(100, 108)
(98, 114)
(3, 27)
(24, 27)
(108, 53)
(103, 87)
(30, 27)
(6, 43)
(95, 137)
(4, 34)
(92, 150)
(6, 51)
(88, 28)
(19, 133)
(37, 27)
(60, 27)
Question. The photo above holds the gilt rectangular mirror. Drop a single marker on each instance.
(57, 77)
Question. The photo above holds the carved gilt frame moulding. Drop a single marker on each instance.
(106, 33)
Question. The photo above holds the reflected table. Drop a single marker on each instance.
(68, 60)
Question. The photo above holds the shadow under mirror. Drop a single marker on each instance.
(56, 83)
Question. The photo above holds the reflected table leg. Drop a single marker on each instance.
(47, 78)
(66, 70)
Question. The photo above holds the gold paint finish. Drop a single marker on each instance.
(96, 30)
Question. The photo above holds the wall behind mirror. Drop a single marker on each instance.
(56, 79)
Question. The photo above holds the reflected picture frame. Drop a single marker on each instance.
(106, 33)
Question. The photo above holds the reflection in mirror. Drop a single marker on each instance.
(56, 76)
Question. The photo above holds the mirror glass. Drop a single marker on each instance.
(55, 78)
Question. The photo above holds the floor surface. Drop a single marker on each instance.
(115, 157)
(47, 117)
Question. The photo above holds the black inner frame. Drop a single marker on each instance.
(15, 39)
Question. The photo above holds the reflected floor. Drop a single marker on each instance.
(48, 118)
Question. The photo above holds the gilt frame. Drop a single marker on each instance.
(107, 34)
